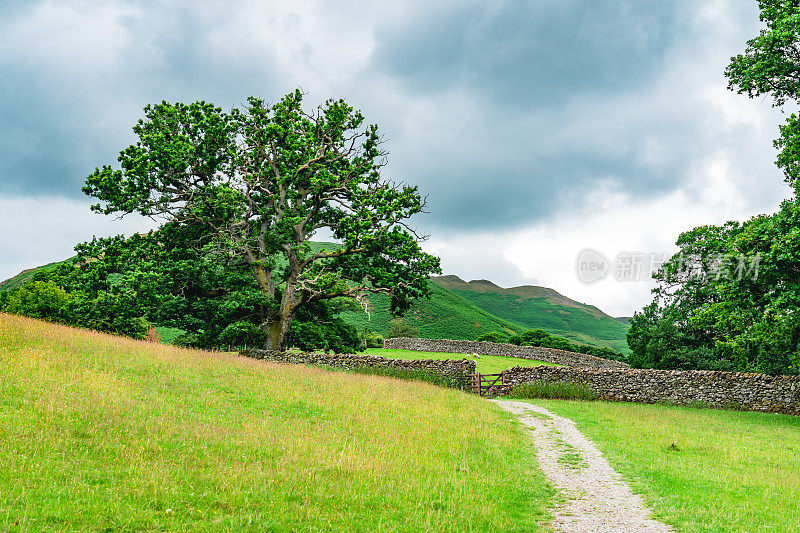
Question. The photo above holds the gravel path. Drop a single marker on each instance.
(596, 497)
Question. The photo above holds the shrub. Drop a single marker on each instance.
(332, 335)
(402, 328)
(560, 343)
(38, 299)
(539, 337)
(493, 336)
(187, 340)
(561, 390)
(242, 334)
(372, 339)
(152, 335)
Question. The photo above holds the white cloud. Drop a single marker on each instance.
(36, 231)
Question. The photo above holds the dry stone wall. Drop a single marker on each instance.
(754, 392)
(460, 371)
(537, 353)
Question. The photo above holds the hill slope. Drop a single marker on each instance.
(534, 307)
(102, 432)
(22, 277)
(446, 315)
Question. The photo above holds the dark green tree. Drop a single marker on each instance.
(493, 336)
(727, 299)
(38, 299)
(125, 286)
(261, 183)
(770, 64)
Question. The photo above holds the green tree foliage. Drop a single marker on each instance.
(770, 67)
(125, 286)
(719, 314)
(770, 64)
(255, 185)
(38, 299)
(318, 327)
(723, 313)
(493, 336)
(372, 339)
(402, 328)
(242, 334)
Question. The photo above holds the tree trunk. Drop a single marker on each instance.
(278, 325)
(278, 333)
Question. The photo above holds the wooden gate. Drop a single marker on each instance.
(487, 384)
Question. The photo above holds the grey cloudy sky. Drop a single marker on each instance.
(537, 128)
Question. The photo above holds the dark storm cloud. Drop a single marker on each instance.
(63, 112)
(522, 103)
(560, 97)
(530, 53)
(491, 196)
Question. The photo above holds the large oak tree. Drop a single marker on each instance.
(263, 181)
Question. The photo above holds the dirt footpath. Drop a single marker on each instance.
(597, 499)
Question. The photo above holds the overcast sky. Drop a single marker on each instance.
(536, 128)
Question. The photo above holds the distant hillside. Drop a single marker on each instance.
(534, 307)
(446, 315)
(22, 277)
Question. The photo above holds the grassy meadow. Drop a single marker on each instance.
(106, 433)
(700, 469)
(486, 364)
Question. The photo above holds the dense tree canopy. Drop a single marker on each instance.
(540, 337)
(727, 300)
(770, 64)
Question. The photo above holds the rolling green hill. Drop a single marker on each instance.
(534, 307)
(446, 315)
(466, 310)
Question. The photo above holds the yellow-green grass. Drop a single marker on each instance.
(486, 364)
(700, 469)
(106, 433)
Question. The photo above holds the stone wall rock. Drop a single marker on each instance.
(460, 371)
(537, 353)
(737, 390)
